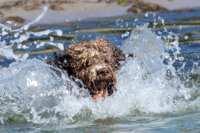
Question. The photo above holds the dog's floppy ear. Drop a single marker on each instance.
(118, 54)
(60, 61)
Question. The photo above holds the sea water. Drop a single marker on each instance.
(152, 93)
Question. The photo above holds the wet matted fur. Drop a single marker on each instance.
(95, 63)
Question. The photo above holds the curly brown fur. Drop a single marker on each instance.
(94, 63)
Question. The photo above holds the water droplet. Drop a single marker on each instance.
(146, 14)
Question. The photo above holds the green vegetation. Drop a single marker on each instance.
(121, 2)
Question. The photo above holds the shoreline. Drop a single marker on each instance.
(71, 12)
(76, 11)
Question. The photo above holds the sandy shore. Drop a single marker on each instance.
(176, 4)
(70, 10)
(64, 12)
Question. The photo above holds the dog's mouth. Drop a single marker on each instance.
(103, 85)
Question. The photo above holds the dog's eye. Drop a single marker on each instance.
(106, 60)
(102, 72)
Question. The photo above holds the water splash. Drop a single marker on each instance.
(143, 80)
(31, 89)
(23, 35)
(35, 92)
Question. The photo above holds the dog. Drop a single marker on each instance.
(95, 63)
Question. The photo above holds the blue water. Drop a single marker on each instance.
(181, 113)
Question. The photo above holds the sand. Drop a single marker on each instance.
(68, 12)
(176, 4)
(77, 10)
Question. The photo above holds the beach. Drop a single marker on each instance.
(63, 11)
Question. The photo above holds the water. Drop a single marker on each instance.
(158, 89)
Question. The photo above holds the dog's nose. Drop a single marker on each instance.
(104, 74)
(103, 71)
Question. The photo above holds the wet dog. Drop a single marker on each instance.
(95, 63)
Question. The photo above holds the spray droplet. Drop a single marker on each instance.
(59, 32)
(125, 34)
(51, 39)
(16, 35)
(4, 33)
(146, 14)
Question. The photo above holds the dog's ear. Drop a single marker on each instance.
(118, 54)
(54, 62)
(60, 61)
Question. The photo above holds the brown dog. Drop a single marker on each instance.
(94, 63)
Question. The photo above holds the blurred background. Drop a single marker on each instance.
(23, 11)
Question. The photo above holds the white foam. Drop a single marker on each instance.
(29, 85)
(146, 46)
(125, 34)
(39, 93)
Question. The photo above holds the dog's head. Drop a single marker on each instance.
(94, 63)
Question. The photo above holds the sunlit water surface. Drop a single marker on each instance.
(158, 89)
